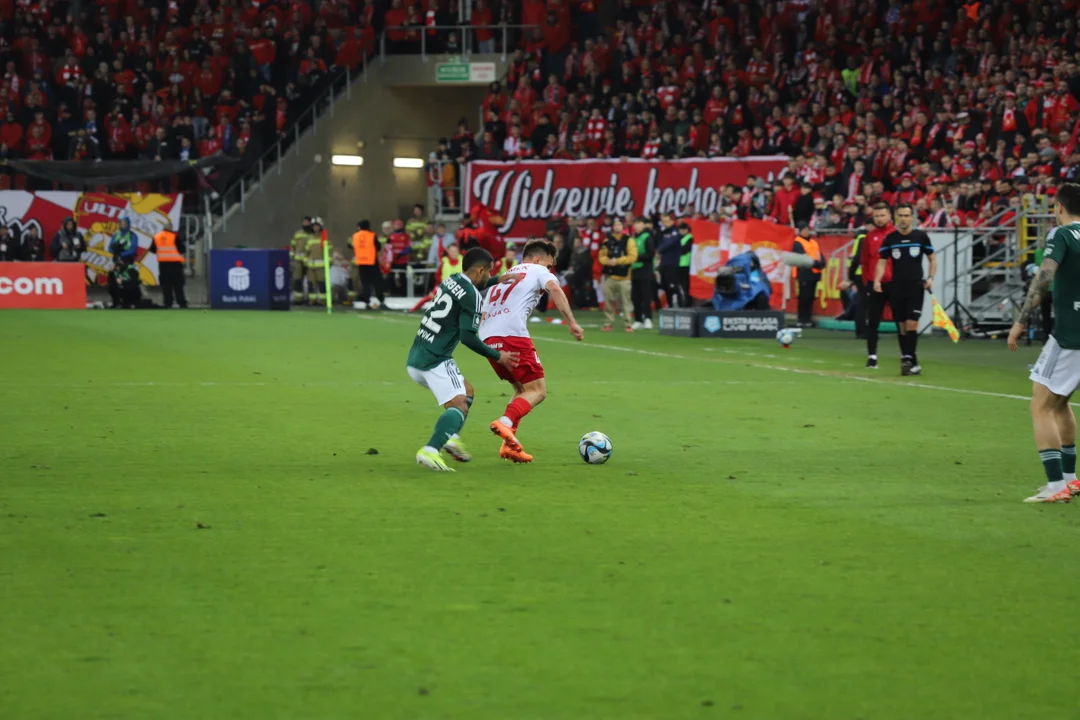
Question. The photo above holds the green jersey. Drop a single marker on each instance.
(1063, 246)
(454, 316)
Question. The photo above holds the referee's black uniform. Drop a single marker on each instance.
(906, 291)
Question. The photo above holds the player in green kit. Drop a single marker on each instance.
(1056, 374)
(454, 316)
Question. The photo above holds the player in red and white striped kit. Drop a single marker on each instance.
(503, 326)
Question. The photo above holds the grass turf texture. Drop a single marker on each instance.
(190, 526)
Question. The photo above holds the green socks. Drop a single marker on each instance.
(1051, 460)
(1068, 461)
(452, 420)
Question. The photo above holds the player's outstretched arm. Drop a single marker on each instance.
(1039, 287)
(467, 327)
(559, 298)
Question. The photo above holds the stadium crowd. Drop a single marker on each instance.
(960, 109)
(148, 79)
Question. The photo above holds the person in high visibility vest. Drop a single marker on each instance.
(316, 273)
(807, 278)
(170, 256)
(852, 289)
(419, 233)
(298, 254)
(366, 276)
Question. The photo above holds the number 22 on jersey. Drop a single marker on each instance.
(440, 308)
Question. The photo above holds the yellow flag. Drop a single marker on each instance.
(941, 320)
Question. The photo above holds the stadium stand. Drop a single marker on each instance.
(126, 79)
(959, 109)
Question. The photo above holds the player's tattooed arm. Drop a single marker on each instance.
(1039, 287)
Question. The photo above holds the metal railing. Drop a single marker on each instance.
(234, 197)
(444, 201)
(416, 279)
(199, 239)
(428, 45)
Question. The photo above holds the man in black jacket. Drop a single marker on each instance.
(33, 247)
(67, 244)
(9, 246)
(641, 275)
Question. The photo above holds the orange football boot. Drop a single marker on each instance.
(519, 456)
(507, 434)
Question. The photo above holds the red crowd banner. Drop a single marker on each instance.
(43, 285)
(527, 193)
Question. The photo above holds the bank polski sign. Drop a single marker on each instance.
(249, 280)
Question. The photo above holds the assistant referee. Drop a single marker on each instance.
(905, 247)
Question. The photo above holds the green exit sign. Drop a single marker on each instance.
(454, 71)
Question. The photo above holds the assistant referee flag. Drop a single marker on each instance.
(941, 320)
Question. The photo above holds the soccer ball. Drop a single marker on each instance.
(595, 448)
(785, 337)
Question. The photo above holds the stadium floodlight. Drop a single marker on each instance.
(349, 160)
(412, 163)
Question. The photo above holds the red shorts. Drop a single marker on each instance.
(528, 367)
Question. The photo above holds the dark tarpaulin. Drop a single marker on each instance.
(112, 172)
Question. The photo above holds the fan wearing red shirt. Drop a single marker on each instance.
(395, 17)
(485, 37)
(866, 259)
(37, 147)
(263, 50)
(525, 96)
(11, 134)
(70, 74)
(594, 131)
(118, 133)
(784, 199)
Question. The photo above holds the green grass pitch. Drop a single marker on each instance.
(191, 527)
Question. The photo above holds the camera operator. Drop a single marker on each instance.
(124, 276)
(68, 244)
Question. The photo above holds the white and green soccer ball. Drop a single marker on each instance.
(595, 448)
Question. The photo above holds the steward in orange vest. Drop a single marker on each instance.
(170, 256)
(367, 278)
(807, 278)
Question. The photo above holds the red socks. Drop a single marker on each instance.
(517, 409)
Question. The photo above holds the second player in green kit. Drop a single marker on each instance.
(1056, 374)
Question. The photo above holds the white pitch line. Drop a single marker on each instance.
(762, 366)
(801, 371)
